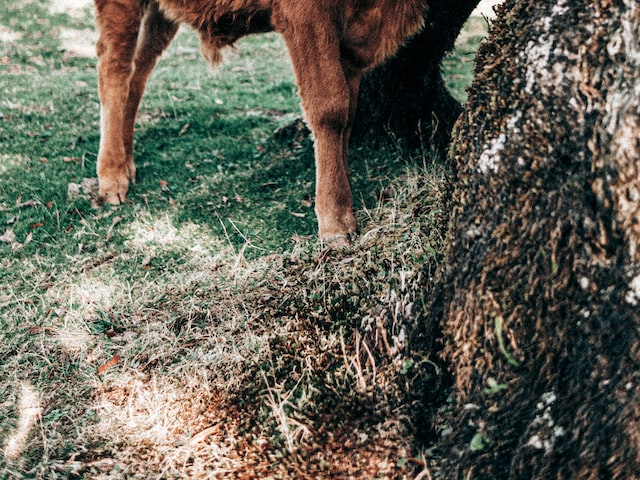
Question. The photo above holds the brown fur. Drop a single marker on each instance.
(331, 43)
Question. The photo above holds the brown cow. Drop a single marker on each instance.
(331, 43)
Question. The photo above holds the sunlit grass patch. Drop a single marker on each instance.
(29, 412)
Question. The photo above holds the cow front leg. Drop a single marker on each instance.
(131, 37)
(325, 90)
(118, 24)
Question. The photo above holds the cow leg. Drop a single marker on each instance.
(123, 67)
(118, 24)
(353, 76)
(327, 91)
(156, 34)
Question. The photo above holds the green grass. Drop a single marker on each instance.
(203, 146)
(457, 67)
(199, 330)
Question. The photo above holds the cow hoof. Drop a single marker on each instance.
(114, 198)
(338, 241)
(114, 192)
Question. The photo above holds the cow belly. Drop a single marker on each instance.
(230, 19)
(219, 22)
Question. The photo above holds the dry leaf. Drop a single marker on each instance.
(8, 237)
(114, 222)
(183, 130)
(28, 203)
(113, 361)
(202, 435)
(35, 330)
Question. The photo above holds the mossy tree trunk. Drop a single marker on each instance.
(539, 299)
(406, 97)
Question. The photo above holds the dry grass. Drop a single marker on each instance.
(306, 364)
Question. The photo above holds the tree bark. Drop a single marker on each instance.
(539, 299)
(406, 97)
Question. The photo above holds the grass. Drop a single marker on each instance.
(199, 331)
(458, 66)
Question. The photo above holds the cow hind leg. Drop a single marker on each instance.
(156, 34)
(130, 40)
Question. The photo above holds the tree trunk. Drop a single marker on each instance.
(406, 97)
(539, 299)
